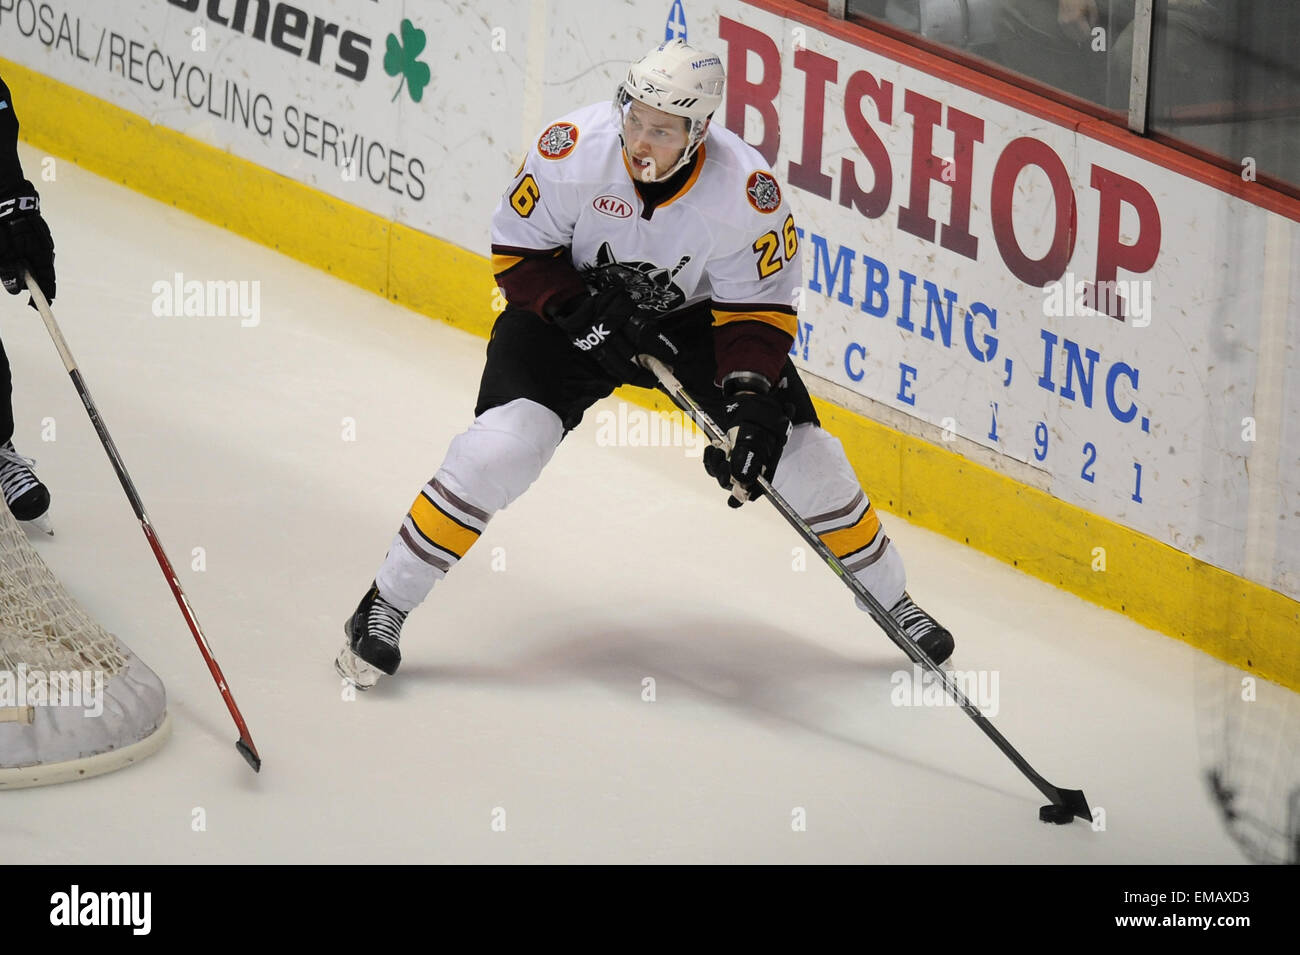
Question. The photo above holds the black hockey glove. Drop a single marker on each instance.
(25, 242)
(642, 337)
(605, 326)
(758, 426)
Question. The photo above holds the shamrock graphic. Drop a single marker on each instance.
(403, 58)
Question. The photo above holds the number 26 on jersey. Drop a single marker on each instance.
(769, 247)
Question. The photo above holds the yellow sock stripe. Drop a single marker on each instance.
(848, 539)
(441, 528)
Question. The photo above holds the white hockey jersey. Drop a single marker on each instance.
(726, 237)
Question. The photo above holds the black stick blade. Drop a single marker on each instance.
(1074, 801)
(246, 750)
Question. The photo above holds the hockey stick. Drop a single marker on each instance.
(1071, 800)
(245, 742)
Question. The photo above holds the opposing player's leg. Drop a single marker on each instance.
(535, 387)
(27, 498)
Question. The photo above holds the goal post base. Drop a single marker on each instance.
(48, 774)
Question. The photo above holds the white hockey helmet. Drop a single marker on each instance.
(680, 79)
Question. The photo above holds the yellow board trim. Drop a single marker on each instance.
(1239, 621)
(441, 529)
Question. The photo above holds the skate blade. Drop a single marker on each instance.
(356, 670)
(41, 524)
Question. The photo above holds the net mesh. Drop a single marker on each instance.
(41, 626)
(74, 700)
(1250, 753)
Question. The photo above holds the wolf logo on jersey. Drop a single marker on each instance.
(650, 286)
(558, 140)
(764, 194)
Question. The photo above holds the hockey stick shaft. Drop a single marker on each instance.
(1072, 798)
(245, 742)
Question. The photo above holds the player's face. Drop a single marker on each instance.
(653, 140)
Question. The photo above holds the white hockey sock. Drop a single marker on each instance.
(815, 476)
(486, 467)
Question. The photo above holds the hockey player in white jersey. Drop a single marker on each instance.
(639, 228)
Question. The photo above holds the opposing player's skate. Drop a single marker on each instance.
(934, 640)
(370, 650)
(27, 497)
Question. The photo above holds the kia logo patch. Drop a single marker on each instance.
(612, 206)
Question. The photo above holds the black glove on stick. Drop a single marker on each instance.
(758, 426)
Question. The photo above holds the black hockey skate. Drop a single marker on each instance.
(934, 640)
(27, 497)
(371, 648)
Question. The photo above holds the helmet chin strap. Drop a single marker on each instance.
(648, 174)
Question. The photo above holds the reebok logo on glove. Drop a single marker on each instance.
(667, 343)
(593, 338)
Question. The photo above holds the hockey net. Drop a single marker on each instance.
(74, 701)
(1250, 753)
